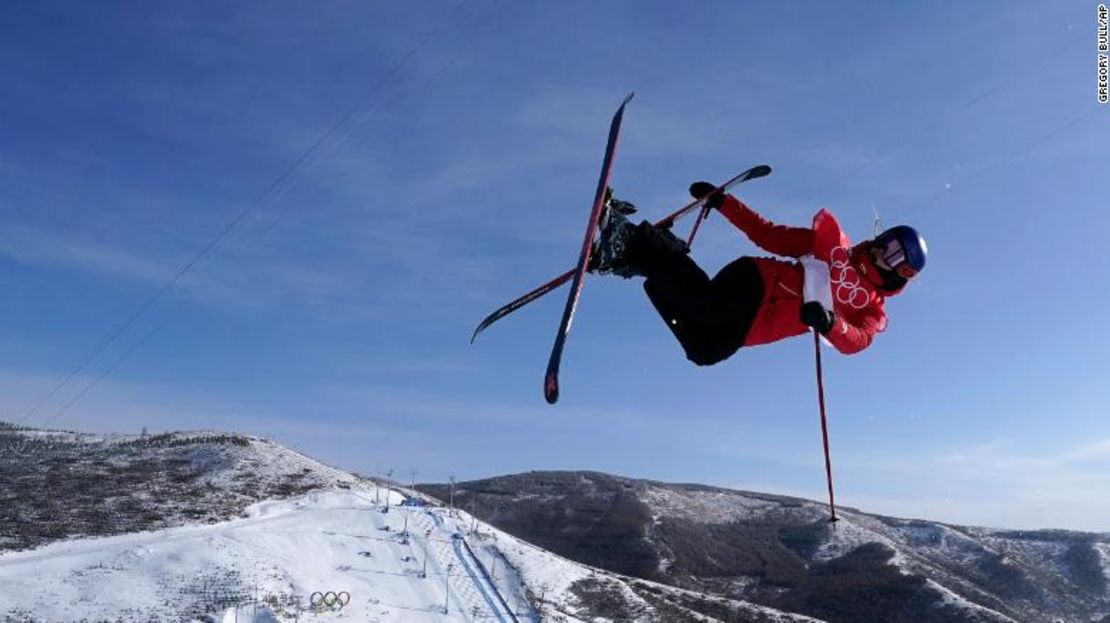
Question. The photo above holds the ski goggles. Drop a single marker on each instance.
(890, 256)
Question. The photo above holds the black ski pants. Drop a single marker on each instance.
(710, 317)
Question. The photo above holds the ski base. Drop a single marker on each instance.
(551, 378)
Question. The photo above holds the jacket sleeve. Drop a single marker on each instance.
(852, 337)
(778, 239)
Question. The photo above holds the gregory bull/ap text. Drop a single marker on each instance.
(1102, 56)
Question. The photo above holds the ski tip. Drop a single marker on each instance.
(628, 98)
(761, 170)
(551, 389)
(486, 322)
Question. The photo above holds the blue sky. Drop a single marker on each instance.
(402, 169)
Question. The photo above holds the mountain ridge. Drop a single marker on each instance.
(621, 549)
(779, 550)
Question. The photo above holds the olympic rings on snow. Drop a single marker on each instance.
(330, 599)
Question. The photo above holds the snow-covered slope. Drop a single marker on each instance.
(215, 526)
(271, 561)
(179, 536)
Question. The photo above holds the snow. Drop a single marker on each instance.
(549, 576)
(1044, 556)
(285, 529)
(712, 506)
(238, 528)
(283, 551)
(1103, 550)
(951, 599)
(852, 531)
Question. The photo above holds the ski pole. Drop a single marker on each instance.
(697, 224)
(824, 425)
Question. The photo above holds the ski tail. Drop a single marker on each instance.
(759, 171)
(551, 378)
(755, 172)
(521, 302)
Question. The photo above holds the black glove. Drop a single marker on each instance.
(815, 315)
(701, 190)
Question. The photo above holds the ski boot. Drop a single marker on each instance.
(608, 255)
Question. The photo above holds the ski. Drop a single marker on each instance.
(751, 174)
(551, 379)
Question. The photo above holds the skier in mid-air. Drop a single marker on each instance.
(758, 300)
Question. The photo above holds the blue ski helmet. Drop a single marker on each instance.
(902, 249)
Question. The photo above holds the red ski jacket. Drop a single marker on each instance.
(856, 302)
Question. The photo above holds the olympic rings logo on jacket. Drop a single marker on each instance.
(859, 308)
(848, 290)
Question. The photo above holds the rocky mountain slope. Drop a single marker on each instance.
(60, 485)
(781, 552)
